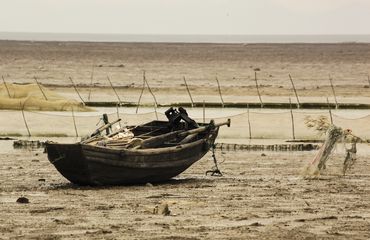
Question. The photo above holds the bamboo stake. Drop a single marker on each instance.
(204, 111)
(150, 90)
(219, 91)
(37, 82)
(119, 123)
(74, 122)
(332, 88)
(292, 117)
(6, 86)
(91, 82)
(24, 118)
(141, 94)
(249, 123)
(119, 100)
(187, 88)
(295, 91)
(258, 91)
(331, 116)
(74, 86)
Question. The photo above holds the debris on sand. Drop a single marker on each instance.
(162, 209)
(23, 200)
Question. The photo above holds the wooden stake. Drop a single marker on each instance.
(331, 116)
(150, 90)
(6, 86)
(40, 88)
(258, 91)
(119, 100)
(119, 123)
(141, 94)
(292, 117)
(219, 91)
(249, 123)
(187, 88)
(24, 118)
(332, 88)
(74, 122)
(74, 86)
(91, 82)
(368, 79)
(295, 91)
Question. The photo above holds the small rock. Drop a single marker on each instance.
(42, 180)
(149, 185)
(23, 200)
(256, 224)
(35, 160)
(162, 209)
(263, 155)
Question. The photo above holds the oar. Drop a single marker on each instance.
(158, 140)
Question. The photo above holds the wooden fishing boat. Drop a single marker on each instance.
(161, 153)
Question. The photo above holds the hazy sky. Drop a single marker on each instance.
(187, 16)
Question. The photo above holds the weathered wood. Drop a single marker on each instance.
(219, 91)
(74, 122)
(141, 94)
(333, 90)
(249, 123)
(119, 99)
(91, 82)
(330, 114)
(24, 119)
(292, 118)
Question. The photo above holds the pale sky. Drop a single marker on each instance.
(186, 16)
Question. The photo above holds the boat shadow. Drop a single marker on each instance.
(190, 182)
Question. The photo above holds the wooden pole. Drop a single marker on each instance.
(24, 118)
(37, 82)
(74, 86)
(141, 94)
(331, 116)
(7, 89)
(119, 123)
(150, 90)
(187, 88)
(295, 91)
(258, 91)
(249, 123)
(91, 82)
(204, 111)
(155, 110)
(332, 88)
(292, 117)
(74, 122)
(219, 91)
(119, 100)
(368, 79)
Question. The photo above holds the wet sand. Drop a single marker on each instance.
(258, 197)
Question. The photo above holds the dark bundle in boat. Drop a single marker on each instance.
(151, 152)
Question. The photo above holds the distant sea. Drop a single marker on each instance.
(84, 37)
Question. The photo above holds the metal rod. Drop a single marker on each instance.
(74, 86)
(331, 115)
(295, 91)
(24, 118)
(219, 91)
(249, 123)
(187, 88)
(258, 91)
(292, 117)
(119, 100)
(37, 82)
(74, 122)
(141, 94)
(91, 82)
(332, 88)
(6, 86)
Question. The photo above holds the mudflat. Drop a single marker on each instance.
(166, 64)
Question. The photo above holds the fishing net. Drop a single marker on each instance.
(35, 97)
(333, 135)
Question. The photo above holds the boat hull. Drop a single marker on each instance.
(93, 165)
